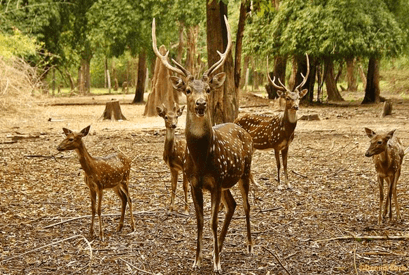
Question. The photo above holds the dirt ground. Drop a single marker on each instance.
(45, 205)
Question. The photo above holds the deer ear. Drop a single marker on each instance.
(160, 111)
(67, 131)
(390, 134)
(369, 132)
(85, 131)
(303, 93)
(177, 83)
(180, 110)
(217, 81)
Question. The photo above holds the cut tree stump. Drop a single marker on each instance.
(113, 111)
(387, 108)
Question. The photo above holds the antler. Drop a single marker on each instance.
(304, 77)
(282, 87)
(223, 56)
(164, 58)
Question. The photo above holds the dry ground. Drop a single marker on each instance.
(44, 203)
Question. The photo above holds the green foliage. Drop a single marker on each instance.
(17, 44)
(336, 28)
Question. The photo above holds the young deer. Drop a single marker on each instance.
(387, 153)
(101, 173)
(174, 151)
(217, 157)
(276, 131)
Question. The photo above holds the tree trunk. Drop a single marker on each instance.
(214, 13)
(332, 90)
(180, 46)
(351, 79)
(239, 44)
(192, 34)
(140, 86)
(280, 66)
(162, 90)
(244, 80)
(372, 91)
(309, 85)
(293, 76)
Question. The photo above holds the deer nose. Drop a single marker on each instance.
(295, 108)
(201, 103)
(367, 154)
(173, 126)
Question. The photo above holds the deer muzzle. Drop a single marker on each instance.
(200, 107)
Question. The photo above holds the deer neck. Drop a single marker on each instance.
(86, 160)
(289, 120)
(169, 142)
(199, 135)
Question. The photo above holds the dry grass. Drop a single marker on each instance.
(18, 82)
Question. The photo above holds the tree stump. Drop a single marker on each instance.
(113, 111)
(387, 108)
(162, 90)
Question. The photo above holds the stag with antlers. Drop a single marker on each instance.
(277, 131)
(217, 157)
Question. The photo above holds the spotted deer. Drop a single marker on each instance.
(110, 172)
(217, 157)
(276, 131)
(174, 151)
(387, 153)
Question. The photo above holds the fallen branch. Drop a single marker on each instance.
(298, 174)
(57, 242)
(89, 216)
(277, 259)
(141, 270)
(368, 238)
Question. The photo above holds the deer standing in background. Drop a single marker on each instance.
(276, 131)
(174, 151)
(101, 173)
(217, 157)
(387, 153)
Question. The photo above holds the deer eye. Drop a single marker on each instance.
(208, 90)
(71, 139)
(380, 142)
(288, 98)
(166, 117)
(188, 91)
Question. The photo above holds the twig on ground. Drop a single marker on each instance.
(298, 174)
(276, 259)
(89, 216)
(141, 270)
(356, 270)
(368, 238)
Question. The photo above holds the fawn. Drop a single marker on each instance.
(217, 157)
(276, 131)
(101, 173)
(174, 151)
(387, 153)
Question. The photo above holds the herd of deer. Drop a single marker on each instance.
(215, 158)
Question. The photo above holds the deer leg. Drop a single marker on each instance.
(101, 232)
(277, 156)
(230, 205)
(122, 196)
(284, 155)
(395, 183)
(174, 180)
(197, 196)
(380, 183)
(216, 198)
(124, 188)
(185, 190)
(93, 195)
(388, 204)
(244, 186)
